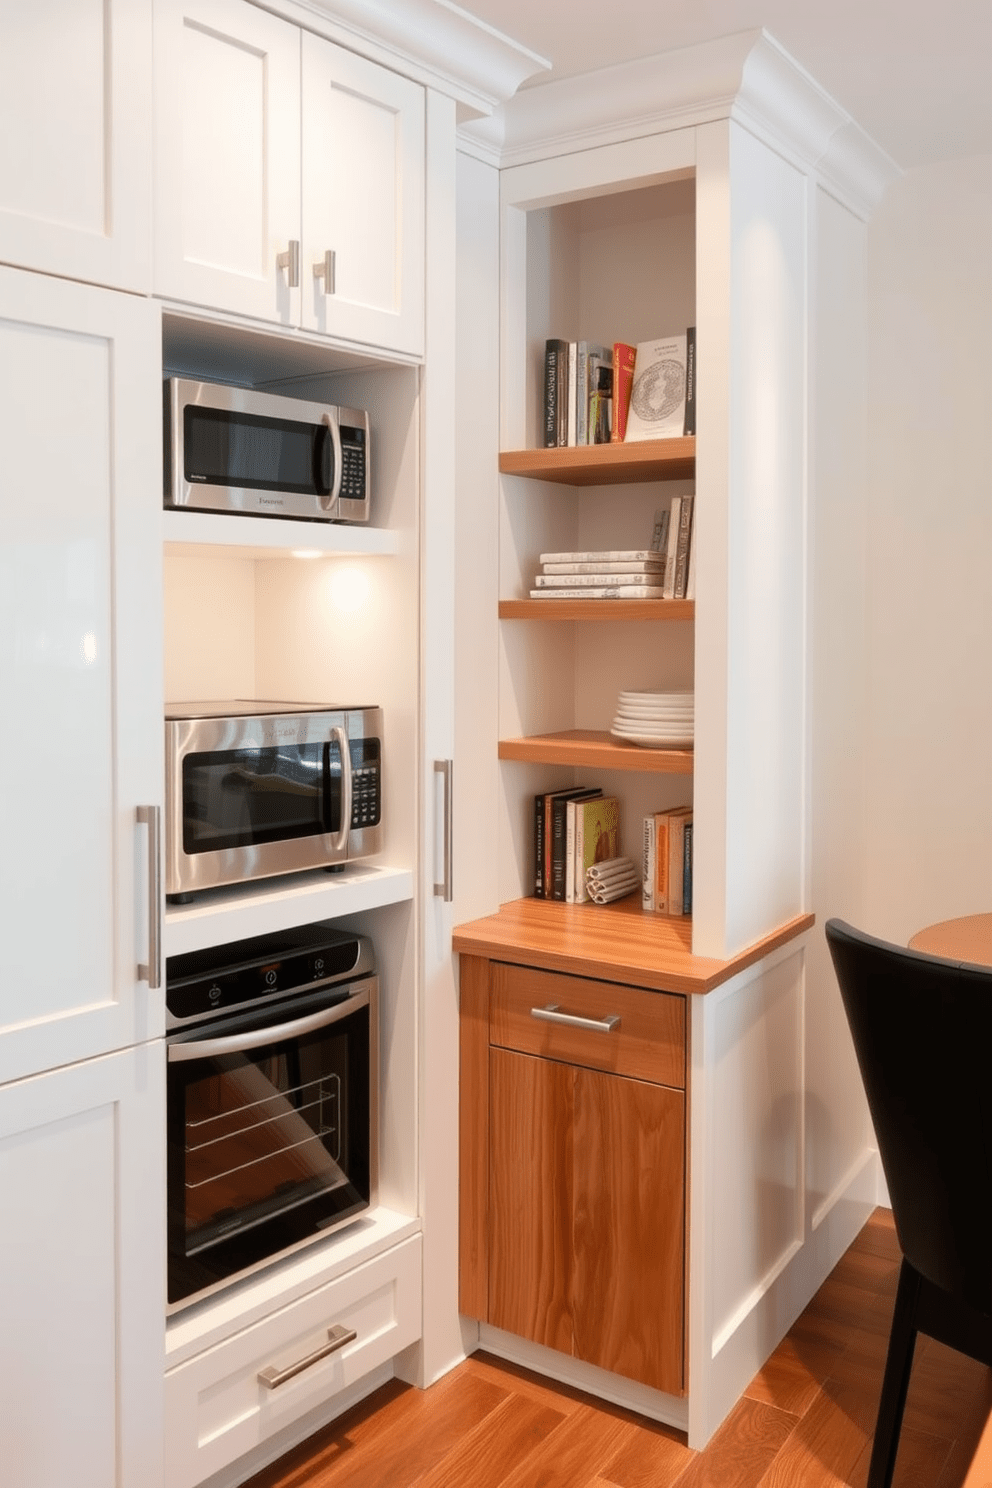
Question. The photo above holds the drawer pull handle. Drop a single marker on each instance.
(337, 1337)
(553, 1014)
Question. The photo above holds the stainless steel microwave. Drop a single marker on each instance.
(236, 450)
(255, 789)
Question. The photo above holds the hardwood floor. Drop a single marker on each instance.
(806, 1420)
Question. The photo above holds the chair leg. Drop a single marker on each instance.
(895, 1383)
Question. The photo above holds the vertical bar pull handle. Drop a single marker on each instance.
(443, 768)
(151, 817)
(324, 269)
(289, 260)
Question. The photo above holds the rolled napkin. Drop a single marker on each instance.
(614, 879)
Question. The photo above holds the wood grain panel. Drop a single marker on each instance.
(647, 1044)
(606, 464)
(628, 1229)
(598, 750)
(597, 609)
(616, 942)
(530, 1199)
(473, 1137)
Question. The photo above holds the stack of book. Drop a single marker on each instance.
(634, 573)
(666, 886)
(596, 394)
(574, 829)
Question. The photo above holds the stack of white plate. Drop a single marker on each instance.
(657, 720)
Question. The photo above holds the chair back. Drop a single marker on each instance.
(922, 1031)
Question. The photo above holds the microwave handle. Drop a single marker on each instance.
(330, 422)
(257, 1038)
(341, 840)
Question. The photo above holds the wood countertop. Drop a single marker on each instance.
(613, 942)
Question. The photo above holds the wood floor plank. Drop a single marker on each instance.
(825, 1446)
(743, 1449)
(919, 1462)
(502, 1442)
(394, 1446)
(654, 1456)
(792, 1376)
(575, 1453)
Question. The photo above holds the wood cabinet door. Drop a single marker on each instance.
(530, 1197)
(76, 118)
(363, 199)
(628, 1227)
(227, 156)
(82, 1286)
(80, 667)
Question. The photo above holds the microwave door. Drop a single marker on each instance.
(340, 838)
(329, 482)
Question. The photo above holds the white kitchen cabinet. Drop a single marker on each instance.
(80, 668)
(75, 122)
(82, 1292)
(245, 102)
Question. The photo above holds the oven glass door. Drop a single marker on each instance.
(270, 1134)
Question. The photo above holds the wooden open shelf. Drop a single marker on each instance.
(606, 464)
(601, 751)
(597, 609)
(616, 942)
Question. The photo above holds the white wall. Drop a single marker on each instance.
(928, 632)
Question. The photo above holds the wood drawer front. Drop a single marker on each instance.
(217, 1408)
(648, 1043)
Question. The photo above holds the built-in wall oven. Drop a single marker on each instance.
(272, 1102)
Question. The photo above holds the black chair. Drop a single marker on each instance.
(922, 1031)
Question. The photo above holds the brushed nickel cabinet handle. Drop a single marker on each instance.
(324, 269)
(337, 1337)
(290, 261)
(444, 768)
(553, 1014)
(151, 972)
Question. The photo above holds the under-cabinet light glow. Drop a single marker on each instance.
(306, 552)
(348, 588)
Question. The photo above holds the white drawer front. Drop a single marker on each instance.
(218, 1407)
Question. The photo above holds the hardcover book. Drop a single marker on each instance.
(607, 591)
(572, 806)
(648, 892)
(675, 512)
(604, 566)
(678, 820)
(689, 427)
(682, 548)
(623, 379)
(657, 396)
(598, 579)
(597, 837)
(614, 555)
(555, 352)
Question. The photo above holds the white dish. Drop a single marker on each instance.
(631, 710)
(652, 741)
(657, 697)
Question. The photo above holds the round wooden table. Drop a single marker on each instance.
(966, 939)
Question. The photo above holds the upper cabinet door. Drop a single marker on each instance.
(227, 157)
(80, 667)
(75, 125)
(363, 200)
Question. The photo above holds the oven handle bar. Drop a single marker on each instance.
(257, 1038)
(337, 1337)
(341, 840)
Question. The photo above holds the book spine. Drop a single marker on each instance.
(648, 893)
(570, 815)
(623, 381)
(582, 392)
(558, 824)
(689, 426)
(561, 395)
(613, 555)
(673, 541)
(539, 847)
(552, 357)
(578, 868)
(606, 591)
(687, 870)
(661, 862)
(676, 860)
(657, 566)
(597, 580)
(573, 351)
(682, 549)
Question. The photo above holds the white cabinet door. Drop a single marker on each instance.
(363, 199)
(75, 136)
(82, 1257)
(227, 156)
(80, 666)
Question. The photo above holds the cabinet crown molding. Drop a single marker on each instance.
(481, 66)
(747, 77)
